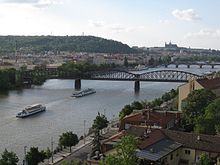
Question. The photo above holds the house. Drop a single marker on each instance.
(151, 118)
(168, 147)
(185, 89)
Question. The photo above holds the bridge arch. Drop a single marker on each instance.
(168, 75)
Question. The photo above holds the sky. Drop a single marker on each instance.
(188, 23)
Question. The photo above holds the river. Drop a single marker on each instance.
(65, 113)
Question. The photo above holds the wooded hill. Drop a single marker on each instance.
(38, 44)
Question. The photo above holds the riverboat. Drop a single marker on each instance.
(31, 110)
(84, 92)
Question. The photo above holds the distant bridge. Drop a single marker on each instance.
(188, 64)
(118, 75)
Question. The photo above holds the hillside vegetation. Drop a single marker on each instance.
(38, 44)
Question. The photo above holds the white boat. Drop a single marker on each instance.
(84, 92)
(31, 110)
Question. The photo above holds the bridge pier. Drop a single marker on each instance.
(188, 66)
(213, 66)
(78, 84)
(177, 65)
(166, 65)
(200, 66)
(137, 86)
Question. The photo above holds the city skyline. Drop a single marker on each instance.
(140, 23)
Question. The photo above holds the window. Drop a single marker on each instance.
(187, 152)
(171, 157)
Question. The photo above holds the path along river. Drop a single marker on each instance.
(65, 113)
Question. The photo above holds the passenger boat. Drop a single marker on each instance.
(84, 92)
(31, 110)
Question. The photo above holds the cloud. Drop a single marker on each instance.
(164, 21)
(93, 23)
(187, 15)
(115, 28)
(35, 3)
(204, 33)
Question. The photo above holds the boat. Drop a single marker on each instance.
(84, 92)
(31, 110)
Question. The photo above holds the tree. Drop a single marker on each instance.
(125, 62)
(209, 123)
(74, 162)
(68, 139)
(126, 110)
(125, 152)
(205, 160)
(196, 103)
(34, 156)
(100, 122)
(136, 105)
(96, 142)
(8, 158)
(48, 153)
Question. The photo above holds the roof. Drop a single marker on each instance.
(158, 150)
(162, 118)
(208, 143)
(210, 83)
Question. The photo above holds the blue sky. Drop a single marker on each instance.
(189, 23)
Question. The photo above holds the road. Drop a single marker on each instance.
(79, 154)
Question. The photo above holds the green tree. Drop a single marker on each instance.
(8, 158)
(125, 61)
(68, 139)
(209, 123)
(34, 156)
(96, 142)
(74, 162)
(205, 160)
(126, 110)
(48, 153)
(196, 102)
(136, 105)
(100, 122)
(125, 152)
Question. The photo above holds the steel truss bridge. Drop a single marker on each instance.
(116, 75)
(158, 75)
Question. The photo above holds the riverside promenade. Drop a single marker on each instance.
(82, 149)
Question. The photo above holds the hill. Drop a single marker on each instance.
(37, 44)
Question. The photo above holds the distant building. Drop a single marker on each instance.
(151, 118)
(185, 89)
(171, 46)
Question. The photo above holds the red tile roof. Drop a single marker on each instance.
(210, 83)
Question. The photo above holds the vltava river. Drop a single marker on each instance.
(65, 113)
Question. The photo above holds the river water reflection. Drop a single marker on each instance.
(65, 113)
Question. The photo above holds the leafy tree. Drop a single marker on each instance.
(48, 153)
(96, 142)
(136, 105)
(125, 152)
(125, 62)
(74, 162)
(126, 110)
(34, 156)
(68, 139)
(8, 158)
(209, 123)
(151, 61)
(205, 160)
(196, 103)
(100, 122)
